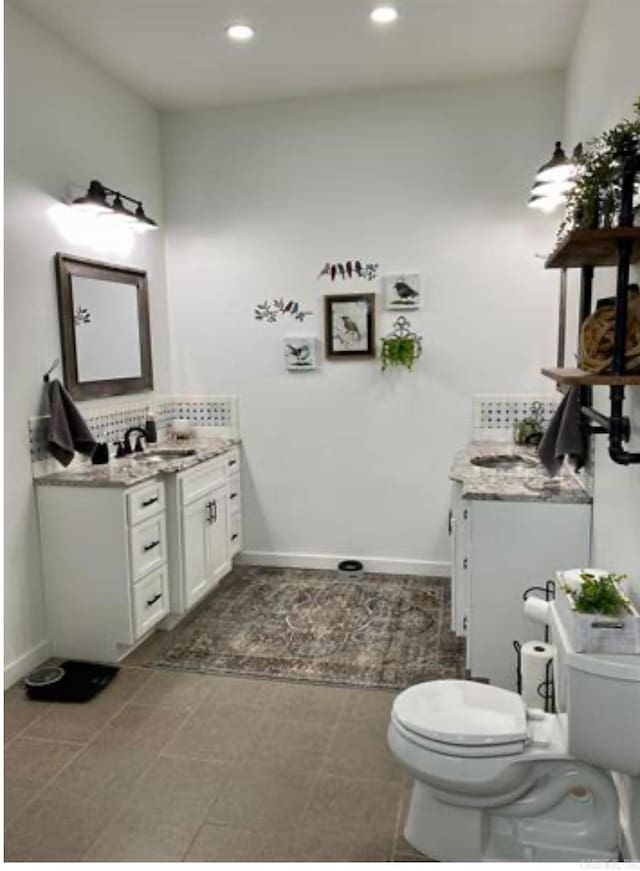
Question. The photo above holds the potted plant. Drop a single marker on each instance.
(595, 196)
(401, 347)
(399, 351)
(598, 613)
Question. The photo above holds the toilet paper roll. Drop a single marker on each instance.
(537, 610)
(534, 658)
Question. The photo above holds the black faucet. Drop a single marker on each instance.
(127, 444)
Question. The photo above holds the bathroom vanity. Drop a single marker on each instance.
(511, 528)
(133, 546)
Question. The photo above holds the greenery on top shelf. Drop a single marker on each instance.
(597, 190)
(600, 596)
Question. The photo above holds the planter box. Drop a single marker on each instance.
(594, 633)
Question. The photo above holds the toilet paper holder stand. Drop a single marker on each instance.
(546, 688)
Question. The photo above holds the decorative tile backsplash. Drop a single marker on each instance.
(494, 415)
(109, 420)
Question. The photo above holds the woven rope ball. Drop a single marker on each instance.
(597, 337)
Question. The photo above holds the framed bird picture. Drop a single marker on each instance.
(349, 325)
(402, 291)
(301, 353)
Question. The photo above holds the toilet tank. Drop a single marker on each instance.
(601, 696)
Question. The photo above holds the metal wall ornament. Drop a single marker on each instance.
(402, 346)
(269, 312)
(402, 291)
(301, 353)
(350, 269)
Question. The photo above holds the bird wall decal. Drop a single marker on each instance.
(346, 270)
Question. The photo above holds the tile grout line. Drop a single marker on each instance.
(81, 749)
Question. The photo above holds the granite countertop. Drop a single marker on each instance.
(528, 482)
(129, 471)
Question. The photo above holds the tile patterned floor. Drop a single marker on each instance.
(188, 767)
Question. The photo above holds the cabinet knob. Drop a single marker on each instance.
(232, 462)
(465, 563)
(450, 521)
(465, 623)
(234, 536)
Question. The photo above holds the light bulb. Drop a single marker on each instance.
(384, 14)
(240, 32)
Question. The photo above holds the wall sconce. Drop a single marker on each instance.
(107, 202)
(554, 180)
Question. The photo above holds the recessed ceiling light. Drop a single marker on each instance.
(384, 14)
(240, 32)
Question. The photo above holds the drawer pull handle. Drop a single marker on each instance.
(232, 462)
(148, 502)
(213, 511)
(234, 536)
(465, 563)
(233, 496)
(151, 546)
(153, 599)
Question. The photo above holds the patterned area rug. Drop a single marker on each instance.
(304, 625)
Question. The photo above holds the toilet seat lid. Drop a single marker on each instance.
(462, 712)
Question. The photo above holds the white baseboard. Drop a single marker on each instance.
(21, 666)
(376, 565)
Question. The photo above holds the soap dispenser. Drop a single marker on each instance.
(150, 427)
(100, 454)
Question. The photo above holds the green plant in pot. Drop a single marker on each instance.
(600, 595)
(399, 351)
(595, 197)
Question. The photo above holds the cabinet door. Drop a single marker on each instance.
(218, 534)
(196, 548)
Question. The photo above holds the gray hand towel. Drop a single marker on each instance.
(68, 431)
(564, 435)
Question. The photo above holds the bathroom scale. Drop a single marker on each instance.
(69, 681)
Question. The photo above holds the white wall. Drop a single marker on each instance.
(65, 122)
(434, 180)
(603, 82)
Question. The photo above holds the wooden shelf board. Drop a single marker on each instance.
(593, 248)
(579, 377)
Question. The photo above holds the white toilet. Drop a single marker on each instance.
(495, 781)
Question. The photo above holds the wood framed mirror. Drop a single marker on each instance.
(104, 328)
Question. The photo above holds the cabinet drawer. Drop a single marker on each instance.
(232, 461)
(148, 546)
(150, 601)
(234, 493)
(195, 483)
(145, 502)
(235, 534)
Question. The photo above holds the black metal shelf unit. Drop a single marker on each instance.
(625, 241)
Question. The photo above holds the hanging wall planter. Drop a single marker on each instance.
(402, 347)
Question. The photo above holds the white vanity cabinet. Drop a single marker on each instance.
(104, 560)
(498, 550)
(203, 513)
(121, 561)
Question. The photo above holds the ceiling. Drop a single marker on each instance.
(175, 53)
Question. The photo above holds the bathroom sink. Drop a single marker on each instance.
(159, 454)
(504, 462)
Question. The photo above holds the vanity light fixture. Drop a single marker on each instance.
(240, 32)
(554, 180)
(107, 202)
(384, 15)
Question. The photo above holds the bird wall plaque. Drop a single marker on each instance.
(402, 291)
